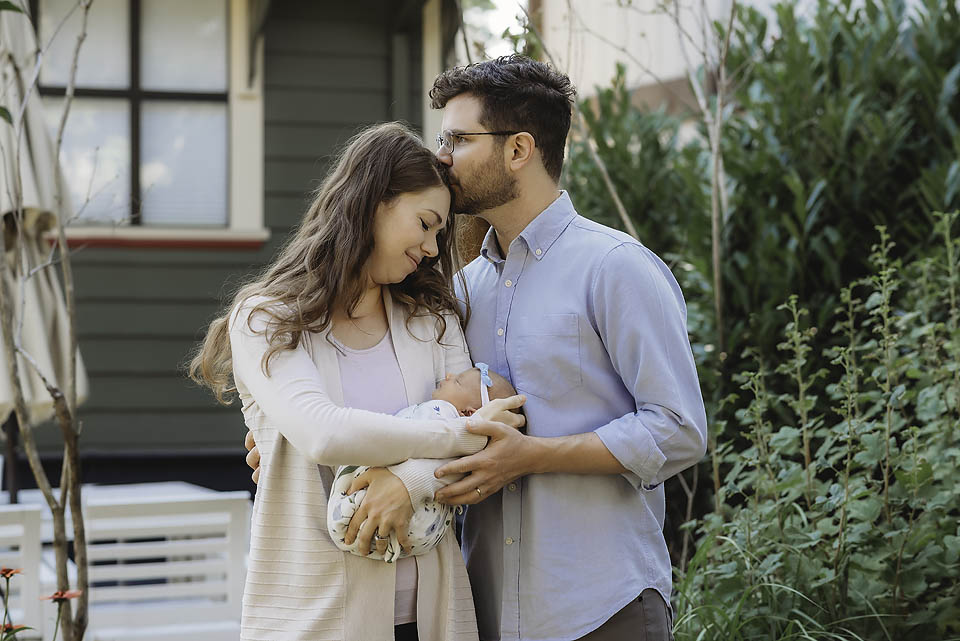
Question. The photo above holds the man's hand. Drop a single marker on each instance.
(253, 456)
(385, 508)
(507, 456)
(499, 410)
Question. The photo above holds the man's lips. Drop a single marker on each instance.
(415, 262)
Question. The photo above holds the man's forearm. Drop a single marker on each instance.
(575, 454)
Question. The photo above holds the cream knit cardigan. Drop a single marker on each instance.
(299, 586)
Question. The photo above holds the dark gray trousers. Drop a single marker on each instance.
(646, 618)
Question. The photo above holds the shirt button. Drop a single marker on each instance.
(508, 283)
(539, 251)
(500, 332)
(512, 487)
(509, 541)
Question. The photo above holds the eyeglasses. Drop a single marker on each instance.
(445, 138)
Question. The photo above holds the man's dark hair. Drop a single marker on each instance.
(516, 93)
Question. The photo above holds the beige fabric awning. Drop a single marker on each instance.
(27, 148)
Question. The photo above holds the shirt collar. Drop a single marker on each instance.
(540, 234)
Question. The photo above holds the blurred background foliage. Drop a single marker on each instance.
(829, 507)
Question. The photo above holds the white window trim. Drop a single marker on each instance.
(245, 155)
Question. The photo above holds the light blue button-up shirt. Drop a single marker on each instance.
(591, 326)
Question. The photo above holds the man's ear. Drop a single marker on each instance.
(521, 150)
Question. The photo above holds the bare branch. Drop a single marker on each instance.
(621, 210)
(69, 424)
(662, 9)
(463, 32)
(624, 51)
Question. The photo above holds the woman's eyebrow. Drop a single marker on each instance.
(439, 218)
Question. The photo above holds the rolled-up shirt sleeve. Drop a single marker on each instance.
(641, 316)
(294, 398)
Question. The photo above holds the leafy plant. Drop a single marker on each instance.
(844, 524)
(843, 121)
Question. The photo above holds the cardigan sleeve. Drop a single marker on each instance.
(417, 474)
(293, 398)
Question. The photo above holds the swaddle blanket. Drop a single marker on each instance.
(430, 521)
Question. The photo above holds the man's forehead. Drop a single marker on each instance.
(462, 113)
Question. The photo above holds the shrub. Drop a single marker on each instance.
(844, 523)
(843, 121)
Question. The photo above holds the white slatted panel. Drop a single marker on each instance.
(151, 549)
(165, 570)
(162, 561)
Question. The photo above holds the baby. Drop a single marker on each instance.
(460, 394)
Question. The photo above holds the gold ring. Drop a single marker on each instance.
(479, 493)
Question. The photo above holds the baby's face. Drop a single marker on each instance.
(462, 390)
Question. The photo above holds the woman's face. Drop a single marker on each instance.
(405, 232)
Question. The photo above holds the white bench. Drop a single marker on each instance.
(164, 568)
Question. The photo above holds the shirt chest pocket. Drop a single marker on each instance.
(547, 348)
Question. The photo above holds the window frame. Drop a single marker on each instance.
(244, 154)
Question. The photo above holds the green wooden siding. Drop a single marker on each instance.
(329, 69)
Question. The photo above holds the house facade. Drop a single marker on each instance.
(214, 119)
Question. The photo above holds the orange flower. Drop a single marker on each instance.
(9, 627)
(7, 573)
(62, 595)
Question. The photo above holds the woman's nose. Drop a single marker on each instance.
(429, 246)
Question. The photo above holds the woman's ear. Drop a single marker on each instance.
(468, 412)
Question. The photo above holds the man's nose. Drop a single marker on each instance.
(445, 157)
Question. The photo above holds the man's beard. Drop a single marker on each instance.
(489, 187)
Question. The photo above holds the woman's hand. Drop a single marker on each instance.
(253, 456)
(385, 508)
(498, 410)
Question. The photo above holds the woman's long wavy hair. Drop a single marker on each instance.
(322, 267)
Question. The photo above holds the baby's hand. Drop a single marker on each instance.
(499, 410)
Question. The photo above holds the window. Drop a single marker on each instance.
(160, 86)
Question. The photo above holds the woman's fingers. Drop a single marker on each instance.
(253, 458)
(365, 536)
(499, 405)
(499, 410)
(359, 483)
(248, 441)
(516, 421)
(353, 528)
(256, 475)
(513, 402)
(403, 539)
(380, 541)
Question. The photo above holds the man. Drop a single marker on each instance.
(564, 534)
(563, 538)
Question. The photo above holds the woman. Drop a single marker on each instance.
(354, 320)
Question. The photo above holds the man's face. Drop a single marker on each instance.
(479, 178)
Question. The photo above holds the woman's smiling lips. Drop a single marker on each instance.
(416, 263)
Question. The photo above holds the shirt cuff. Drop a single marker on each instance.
(417, 476)
(637, 451)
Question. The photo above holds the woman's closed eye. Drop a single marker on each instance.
(424, 224)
